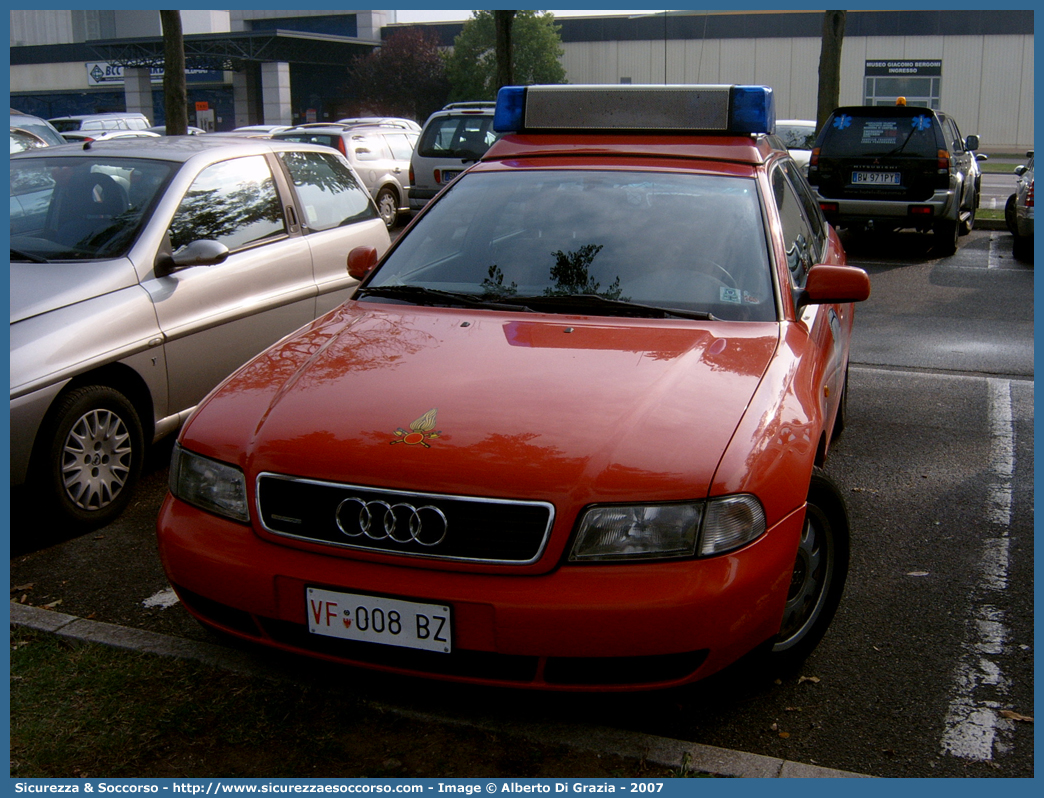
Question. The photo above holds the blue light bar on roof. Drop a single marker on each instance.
(717, 109)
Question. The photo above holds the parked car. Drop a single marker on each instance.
(451, 140)
(394, 121)
(162, 130)
(116, 120)
(142, 273)
(891, 167)
(799, 136)
(379, 153)
(29, 132)
(79, 136)
(258, 129)
(1018, 211)
(568, 434)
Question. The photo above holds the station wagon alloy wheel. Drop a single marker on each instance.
(96, 459)
(388, 206)
(95, 455)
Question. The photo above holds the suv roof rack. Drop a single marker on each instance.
(470, 104)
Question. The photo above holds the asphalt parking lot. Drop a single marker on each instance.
(929, 664)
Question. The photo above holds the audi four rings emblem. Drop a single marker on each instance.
(400, 523)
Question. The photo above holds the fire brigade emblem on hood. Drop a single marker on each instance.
(420, 432)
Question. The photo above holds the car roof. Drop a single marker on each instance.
(176, 148)
(103, 115)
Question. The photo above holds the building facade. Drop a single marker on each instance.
(283, 67)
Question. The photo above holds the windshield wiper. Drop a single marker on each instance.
(615, 307)
(901, 147)
(17, 254)
(419, 295)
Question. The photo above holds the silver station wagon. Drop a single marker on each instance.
(144, 273)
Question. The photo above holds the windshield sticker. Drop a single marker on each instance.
(922, 122)
(420, 432)
(842, 121)
(881, 132)
(732, 295)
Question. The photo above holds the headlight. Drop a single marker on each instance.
(668, 531)
(209, 485)
(731, 522)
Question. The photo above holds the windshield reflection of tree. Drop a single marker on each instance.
(570, 275)
(217, 213)
(308, 170)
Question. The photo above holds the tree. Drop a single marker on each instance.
(504, 21)
(175, 96)
(830, 65)
(405, 77)
(536, 48)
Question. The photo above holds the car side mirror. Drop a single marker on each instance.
(971, 143)
(1020, 170)
(829, 285)
(203, 252)
(362, 261)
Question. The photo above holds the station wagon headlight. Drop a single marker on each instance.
(668, 531)
(209, 484)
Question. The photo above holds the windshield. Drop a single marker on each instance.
(687, 242)
(465, 136)
(80, 208)
(797, 137)
(853, 135)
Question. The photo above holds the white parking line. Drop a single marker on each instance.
(973, 722)
(993, 257)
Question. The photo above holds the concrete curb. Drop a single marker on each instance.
(675, 754)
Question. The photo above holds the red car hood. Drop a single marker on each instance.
(480, 403)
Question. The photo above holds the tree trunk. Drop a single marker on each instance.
(505, 71)
(830, 65)
(175, 97)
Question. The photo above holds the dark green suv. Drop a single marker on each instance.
(892, 167)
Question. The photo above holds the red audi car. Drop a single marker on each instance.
(568, 434)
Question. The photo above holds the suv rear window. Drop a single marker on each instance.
(854, 135)
(458, 137)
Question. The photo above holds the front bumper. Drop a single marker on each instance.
(597, 627)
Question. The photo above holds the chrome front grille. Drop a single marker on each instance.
(402, 522)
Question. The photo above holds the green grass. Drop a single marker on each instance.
(996, 168)
(84, 710)
(993, 214)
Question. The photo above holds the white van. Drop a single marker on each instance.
(117, 120)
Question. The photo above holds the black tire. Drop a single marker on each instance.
(94, 450)
(1009, 216)
(946, 232)
(818, 578)
(388, 206)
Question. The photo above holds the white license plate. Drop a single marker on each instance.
(448, 176)
(877, 178)
(375, 619)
